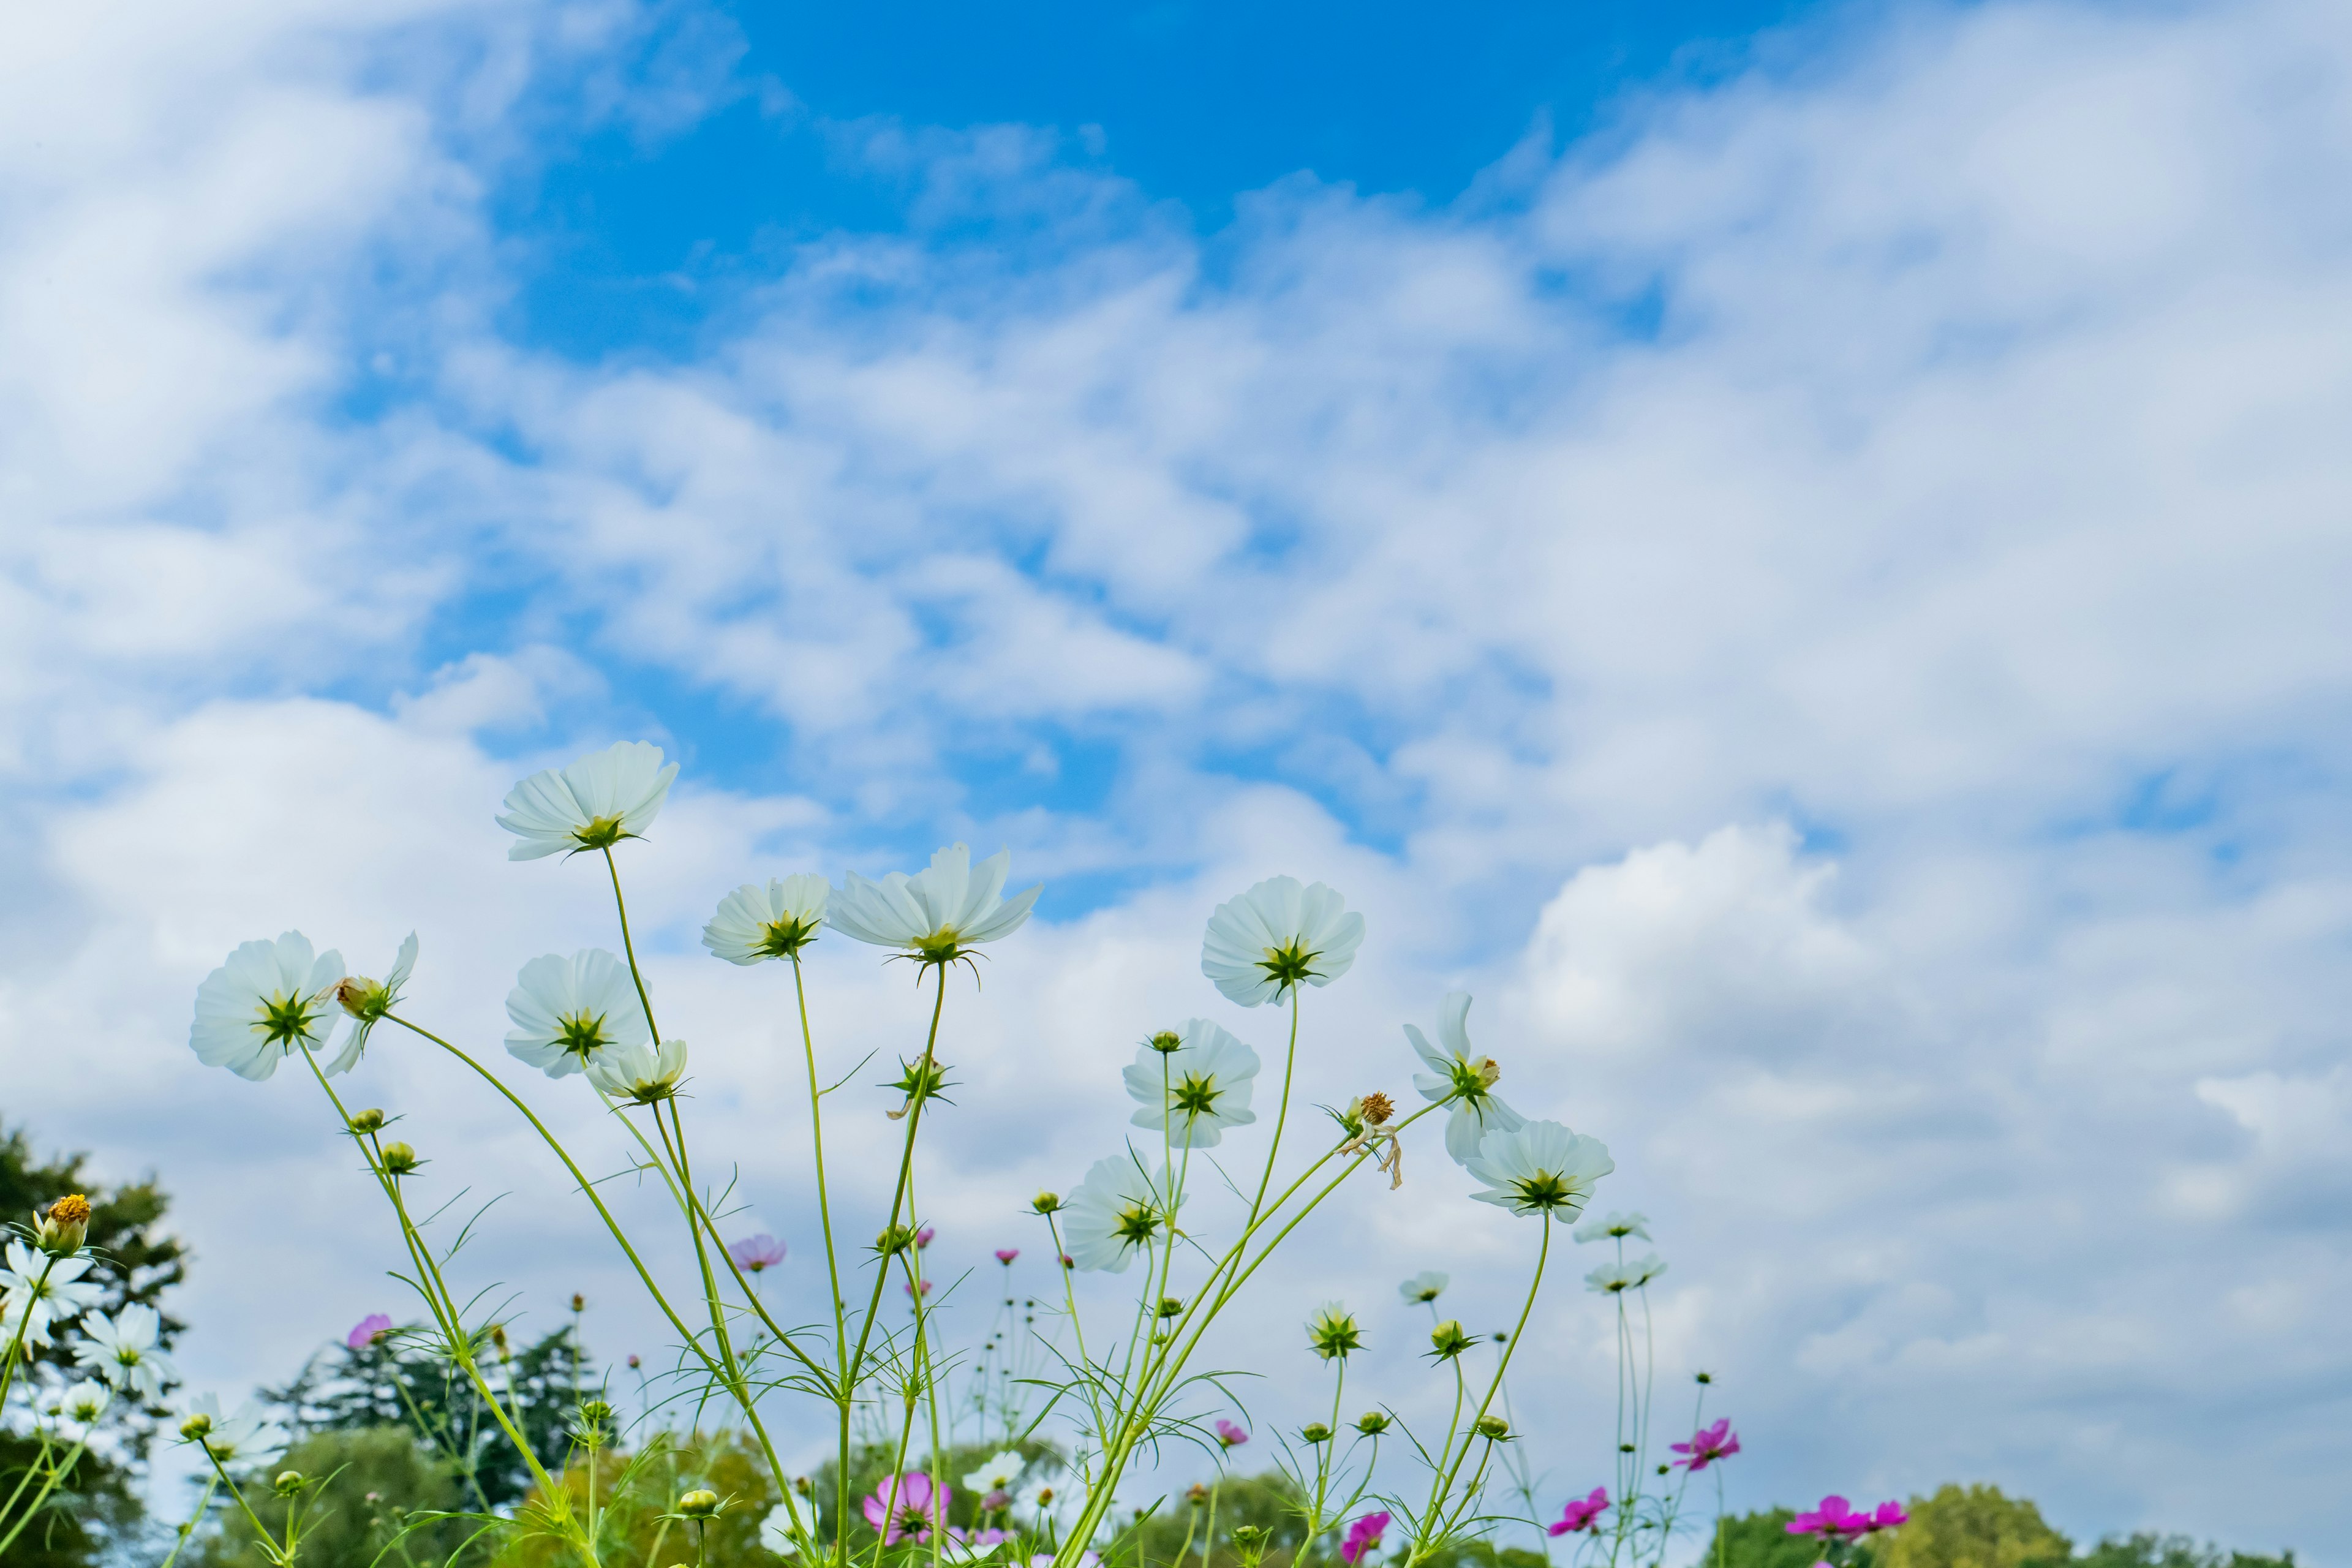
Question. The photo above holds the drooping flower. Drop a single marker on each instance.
(1707, 1445)
(1005, 1254)
(1425, 1287)
(640, 1072)
(368, 1330)
(1230, 1436)
(939, 914)
(755, 924)
(123, 1350)
(756, 1254)
(1835, 1520)
(1261, 945)
(565, 1010)
(593, 803)
(908, 1505)
(1362, 1536)
(997, 1472)
(367, 1000)
(1198, 1088)
(240, 1441)
(268, 1000)
(1581, 1513)
(1116, 1214)
(1617, 1227)
(1334, 1331)
(1541, 1169)
(1465, 1079)
(43, 1291)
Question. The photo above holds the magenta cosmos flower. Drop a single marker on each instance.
(367, 1331)
(1007, 1253)
(1231, 1435)
(1887, 1515)
(1581, 1513)
(923, 1237)
(1836, 1519)
(908, 1505)
(1362, 1536)
(1707, 1445)
(755, 1253)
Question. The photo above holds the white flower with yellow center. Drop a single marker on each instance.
(1425, 1287)
(1540, 1168)
(1458, 1075)
(78, 1407)
(593, 803)
(42, 1291)
(1264, 943)
(755, 924)
(1116, 1215)
(1194, 1082)
(642, 1072)
(269, 1000)
(1616, 1227)
(566, 1010)
(240, 1441)
(123, 1350)
(997, 1474)
(939, 914)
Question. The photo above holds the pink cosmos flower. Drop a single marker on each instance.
(367, 1331)
(1229, 1434)
(1887, 1515)
(1362, 1536)
(755, 1253)
(1707, 1445)
(909, 1289)
(908, 1505)
(923, 1237)
(1835, 1520)
(1007, 1253)
(1581, 1513)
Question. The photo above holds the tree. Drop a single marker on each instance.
(1972, 1527)
(1761, 1540)
(369, 1481)
(2150, 1550)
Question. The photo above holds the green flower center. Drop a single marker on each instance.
(581, 1034)
(1288, 965)
(1136, 1225)
(1195, 1095)
(1544, 1190)
(601, 833)
(944, 945)
(288, 1021)
(783, 938)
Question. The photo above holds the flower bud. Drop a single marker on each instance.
(1197, 1495)
(1624, 1448)
(1449, 1338)
(1044, 1496)
(1494, 1429)
(1315, 1432)
(1665, 1469)
(1373, 1423)
(1171, 1306)
(1167, 1041)
(1489, 1070)
(288, 1483)
(368, 1121)
(894, 1241)
(1248, 1535)
(700, 1504)
(803, 1486)
(399, 1160)
(65, 1225)
(579, 1302)
(1046, 1203)
(1707, 1377)
(195, 1427)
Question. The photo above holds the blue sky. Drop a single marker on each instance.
(1796, 553)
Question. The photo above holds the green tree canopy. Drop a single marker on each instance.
(1972, 1527)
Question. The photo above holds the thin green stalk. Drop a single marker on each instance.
(203, 1503)
(56, 1474)
(1445, 1482)
(24, 1325)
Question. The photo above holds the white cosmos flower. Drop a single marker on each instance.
(1197, 1089)
(1467, 1079)
(565, 1010)
(1540, 1168)
(939, 912)
(1616, 1227)
(270, 999)
(57, 1299)
(367, 1000)
(123, 1350)
(776, 1532)
(997, 1474)
(1279, 934)
(1117, 1212)
(641, 1072)
(243, 1440)
(593, 803)
(80, 1405)
(1613, 1278)
(1426, 1286)
(754, 923)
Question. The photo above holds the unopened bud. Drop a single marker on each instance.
(288, 1483)
(65, 1225)
(368, 1121)
(1044, 1496)
(699, 1504)
(1315, 1432)
(803, 1486)
(1373, 1423)
(196, 1427)
(1449, 1338)
(1707, 1377)
(1624, 1448)
(1046, 1203)
(579, 1302)
(1494, 1429)
(399, 1158)
(1171, 1306)
(1167, 1041)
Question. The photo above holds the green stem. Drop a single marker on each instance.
(56, 1474)
(203, 1503)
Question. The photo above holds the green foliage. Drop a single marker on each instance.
(1761, 1540)
(2150, 1550)
(1972, 1527)
(373, 1478)
(633, 1493)
(1271, 1503)
(88, 1520)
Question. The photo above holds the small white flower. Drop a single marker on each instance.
(1616, 1227)
(1196, 1089)
(243, 1440)
(270, 999)
(1425, 1287)
(997, 1474)
(81, 1404)
(1467, 1080)
(641, 1072)
(1266, 942)
(565, 1010)
(42, 1303)
(1612, 1278)
(1117, 1212)
(593, 803)
(367, 1000)
(776, 1532)
(939, 913)
(754, 923)
(1540, 1168)
(123, 1350)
